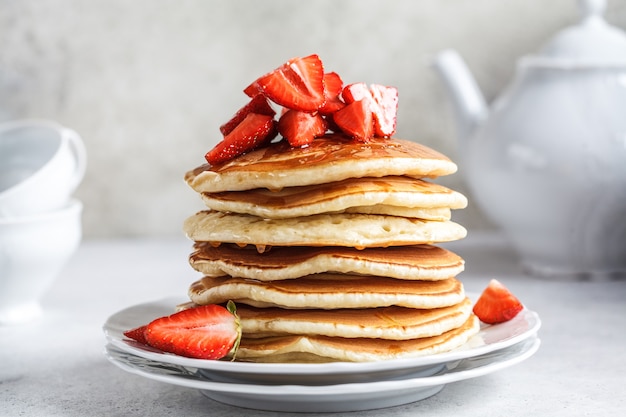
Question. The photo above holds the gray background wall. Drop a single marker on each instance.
(148, 82)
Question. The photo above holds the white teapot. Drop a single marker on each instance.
(547, 161)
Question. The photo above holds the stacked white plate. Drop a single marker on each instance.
(327, 387)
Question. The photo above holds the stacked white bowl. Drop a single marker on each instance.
(41, 164)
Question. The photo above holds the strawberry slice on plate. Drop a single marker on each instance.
(137, 334)
(300, 128)
(298, 84)
(497, 304)
(258, 104)
(355, 120)
(203, 332)
(254, 131)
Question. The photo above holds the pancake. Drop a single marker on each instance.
(394, 323)
(328, 291)
(435, 214)
(285, 349)
(421, 262)
(386, 195)
(327, 159)
(338, 229)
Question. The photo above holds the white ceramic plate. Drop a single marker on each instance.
(325, 398)
(489, 339)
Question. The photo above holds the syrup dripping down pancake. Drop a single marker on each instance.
(418, 262)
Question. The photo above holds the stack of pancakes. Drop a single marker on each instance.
(329, 250)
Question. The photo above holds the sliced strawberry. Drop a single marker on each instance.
(330, 123)
(137, 334)
(355, 120)
(355, 92)
(383, 104)
(297, 84)
(332, 93)
(496, 304)
(203, 332)
(258, 105)
(254, 131)
(386, 109)
(300, 128)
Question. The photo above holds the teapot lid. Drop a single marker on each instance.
(592, 42)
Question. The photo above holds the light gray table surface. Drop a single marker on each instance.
(55, 366)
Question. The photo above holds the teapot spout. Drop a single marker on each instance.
(469, 103)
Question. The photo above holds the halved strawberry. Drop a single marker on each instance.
(254, 131)
(258, 105)
(300, 128)
(297, 84)
(333, 85)
(137, 334)
(203, 332)
(386, 109)
(497, 304)
(355, 120)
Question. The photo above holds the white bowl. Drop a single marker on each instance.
(41, 164)
(33, 250)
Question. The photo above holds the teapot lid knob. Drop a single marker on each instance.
(591, 42)
(591, 8)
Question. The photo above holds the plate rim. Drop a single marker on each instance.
(386, 385)
(117, 339)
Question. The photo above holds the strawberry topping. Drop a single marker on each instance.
(254, 131)
(355, 92)
(258, 105)
(333, 85)
(497, 304)
(385, 109)
(383, 102)
(355, 120)
(300, 128)
(297, 84)
(313, 102)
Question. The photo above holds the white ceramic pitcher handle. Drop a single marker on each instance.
(80, 155)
